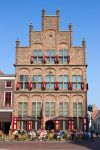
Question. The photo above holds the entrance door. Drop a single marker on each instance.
(49, 125)
(6, 127)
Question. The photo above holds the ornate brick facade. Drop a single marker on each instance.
(51, 38)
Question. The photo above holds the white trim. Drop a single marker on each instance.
(7, 78)
(6, 110)
(4, 99)
(6, 84)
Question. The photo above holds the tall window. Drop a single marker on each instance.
(8, 97)
(49, 109)
(63, 109)
(63, 82)
(37, 79)
(37, 54)
(23, 81)
(63, 56)
(22, 109)
(77, 109)
(50, 82)
(50, 55)
(36, 109)
(77, 79)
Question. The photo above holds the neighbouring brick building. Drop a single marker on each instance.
(6, 100)
(50, 79)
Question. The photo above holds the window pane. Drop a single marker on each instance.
(35, 53)
(52, 86)
(52, 52)
(34, 109)
(39, 59)
(48, 85)
(48, 53)
(60, 78)
(38, 85)
(74, 79)
(47, 109)
(47, 78)
(34, 78)
(52, 78)
(39, 78)
(52, 60)
(26, 85)
(65, 78)
(35, 60)
(26, 78)
(65, 59)
(79, 78)
(74, 86)
(61, 108)
(61, 85)
(48, 59)
(60, 52)
(40, 53)
(75, 109)
(60, 60)
(79, 86)
(21, 78)
(65, 52)
(65, 85)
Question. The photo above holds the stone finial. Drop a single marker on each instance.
(70, 27)
(83, 43)
(30, 27)
(17, 43)
(57, 12)
(43, 12)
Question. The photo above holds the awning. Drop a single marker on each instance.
(6, 115)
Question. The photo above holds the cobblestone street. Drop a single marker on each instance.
(49, 145)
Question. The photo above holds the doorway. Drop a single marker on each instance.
(49, 125)
(6, 127)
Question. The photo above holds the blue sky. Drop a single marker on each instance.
(16, 15)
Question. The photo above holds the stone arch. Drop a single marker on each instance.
(77, 71)
(37, 71)
(63, 45)
(50, 70)
(24, 71)
(63, 71)
(36, 98)
(37, 46)
(49, 98)
(77, 98)
(63, 98)
(23, 98)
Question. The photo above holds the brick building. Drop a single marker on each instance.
(6, 100)
(50, 79)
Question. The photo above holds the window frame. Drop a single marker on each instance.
(63, 112)
(49, 109)
(5, 99)
(22, 109)
(50, 82)
(63, 82)
(76, 83)
(24, 84)
(63, 56)
(36, 109)
(6, 84)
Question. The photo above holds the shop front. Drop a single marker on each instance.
(5, 120)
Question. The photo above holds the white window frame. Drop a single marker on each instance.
(6, 84)
(4, 99)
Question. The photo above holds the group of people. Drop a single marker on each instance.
(41, 135)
